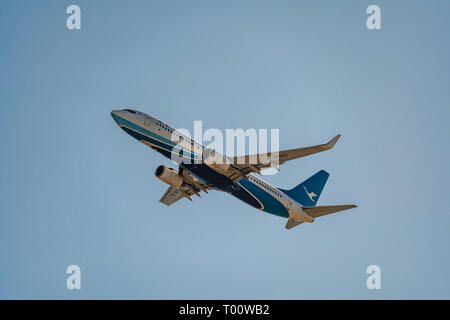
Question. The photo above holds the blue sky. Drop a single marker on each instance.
(75, 189)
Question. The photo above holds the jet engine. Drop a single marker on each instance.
(215, 160)
(169, 176)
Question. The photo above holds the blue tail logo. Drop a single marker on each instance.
(308, 192)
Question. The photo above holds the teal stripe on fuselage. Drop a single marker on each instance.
(163, 141)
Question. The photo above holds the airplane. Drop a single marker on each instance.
(234, 175)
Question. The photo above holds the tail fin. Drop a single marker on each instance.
(308, 192)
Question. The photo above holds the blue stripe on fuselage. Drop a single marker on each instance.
(270, 203)
(244, 189)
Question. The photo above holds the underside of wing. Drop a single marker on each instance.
(193, 182)
(171, 195)
(191, 186)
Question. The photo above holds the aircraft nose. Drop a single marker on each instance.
(115, 115)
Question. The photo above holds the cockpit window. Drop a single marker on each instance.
(129, 110)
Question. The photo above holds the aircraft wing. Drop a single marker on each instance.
(254, 163)
(171, 195)
(192, 186)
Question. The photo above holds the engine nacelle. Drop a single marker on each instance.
(215, 160)
(169, 176)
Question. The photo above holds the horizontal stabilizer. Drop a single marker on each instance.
(292, 223)
(319, 211)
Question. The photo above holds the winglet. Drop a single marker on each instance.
(332, 142)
